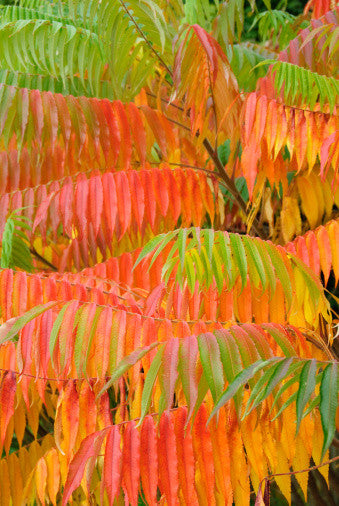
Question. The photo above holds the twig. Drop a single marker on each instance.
(230, 185)
(42, 259)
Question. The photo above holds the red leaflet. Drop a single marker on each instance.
(70, 417)
(169, 371)
(149, 460)
(7, 394)
(125, 146)
(90, 447)
(186, 464)
(37, 113)
(41, 213)
(112, 465)
(167, 459)
(138, 197)
(81, 204)
(204, 456)
(66, 205)
(64, 117)
(124, 201)
(138, 131)
(250, 111)
(153, 300)
(110, 202)
(187, 368)
(51, 117)
(95, 202)
(131, 462)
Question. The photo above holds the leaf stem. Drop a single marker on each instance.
(231, 186)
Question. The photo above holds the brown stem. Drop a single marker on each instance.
(42, 259)
(230, 185)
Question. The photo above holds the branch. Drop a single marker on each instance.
(231, 186)
(42, 259)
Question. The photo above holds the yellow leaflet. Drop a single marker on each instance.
(309, 201)
(290, 219)
(283, 482)
(317, 444)
(301, 461)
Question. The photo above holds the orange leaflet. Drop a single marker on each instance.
(7, 395)
(167, 459)
(203, 452)
(89, 448)
(186, 463)
(112, 465)
(131, 462)
(149, 460)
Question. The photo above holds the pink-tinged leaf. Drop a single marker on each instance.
(81, 204)
(70, 416)
(7, 394)
(138, 197)
(250, 110)
(126, 146)
(42, 211)
(149, 460)
(37, 113)
(110, 201)
(66, 205)
(51, 117)
(124, 201)
(95, 202)
(186, 464)
(169, 371)
(138, 131)
(187, 369)
(64, 117)
(167, 459)
(150, 201)
(89, 448)
(112, 465)
(154, 299)
(131, 462)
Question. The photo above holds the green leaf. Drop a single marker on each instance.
(211, 363)
(239, 254)
(328, 404)
(149, 382)
(125, 364)
(240, 380)
(11, 327)
(306, 388)
(266, 384)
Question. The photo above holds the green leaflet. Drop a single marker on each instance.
(55, 330)
(9, 329)
(149, 382)
(125, 364)
(267, 383)
(239, 381)
(211, 363)
(239, 254)
(231, 360)
(328, 403)
(252, 251)
(307, 384)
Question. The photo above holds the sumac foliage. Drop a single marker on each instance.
(169, 251)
